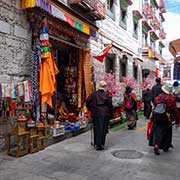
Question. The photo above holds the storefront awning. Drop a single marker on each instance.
(58, 12)
(125, 3)
(154, 3)
(145, 26)
(137, 15)
(154, 36)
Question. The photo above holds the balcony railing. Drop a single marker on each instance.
(147, 10)
(155, 23)
(94, 7)
(162, 34)
(162, 6)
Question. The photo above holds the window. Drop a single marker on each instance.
(135, 29)
(160, 50)
(153, 45)
(110, 63)
(123, 63)
(144, 39)
(123, 17)
(135, 71)
(110, 9)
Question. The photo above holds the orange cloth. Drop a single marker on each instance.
(48, 70)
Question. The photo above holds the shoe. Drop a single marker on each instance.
(156, 150)
(165, 149)
(99, 148)
(171, 146)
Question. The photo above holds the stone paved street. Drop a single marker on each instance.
(75, 159)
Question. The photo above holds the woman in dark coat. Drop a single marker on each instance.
(147, 99)
(161, 136)
(99, 103)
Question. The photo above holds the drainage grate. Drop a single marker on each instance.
(127, 154)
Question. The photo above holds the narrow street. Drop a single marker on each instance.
(75, 159)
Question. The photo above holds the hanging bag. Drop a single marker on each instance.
(149, 129)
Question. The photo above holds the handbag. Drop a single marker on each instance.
(149, 129)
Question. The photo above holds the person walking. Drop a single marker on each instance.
(156, 89)
(130, 101)
(147, 99)
(161, 136)
(99, 103)
(176, 93)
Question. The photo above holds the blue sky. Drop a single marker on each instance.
(171, 24)
(173, 6)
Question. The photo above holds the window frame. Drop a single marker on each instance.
(110, 9)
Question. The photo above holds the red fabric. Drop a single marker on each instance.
(69, 20)
(156, 72)
(105, 51)
(171, 106)
(149, 129)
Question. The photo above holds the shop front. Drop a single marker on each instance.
(61, 76)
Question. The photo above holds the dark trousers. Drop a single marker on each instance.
(100, 127)
(147, 109)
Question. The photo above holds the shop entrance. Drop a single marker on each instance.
(66, 97)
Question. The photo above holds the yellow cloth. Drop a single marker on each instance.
(87, 71)
(28, 4)
(80, 68)
(48, 69)
(86, 29)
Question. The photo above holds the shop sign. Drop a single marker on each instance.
(63, 1)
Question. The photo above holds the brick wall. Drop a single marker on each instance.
(15, 46)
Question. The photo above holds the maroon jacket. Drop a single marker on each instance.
(99, 103)
(171, 106)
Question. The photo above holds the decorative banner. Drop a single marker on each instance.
(87, 72)
(14, 90)
(80, 66)
(54, 11)
(104, 53)
(28, 4)
(69, 20)
(85, 29)
(77, 25)
(57, 13)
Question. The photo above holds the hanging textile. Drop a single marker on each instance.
(35, 65)
(28, 4)
(87, 68)
(47, 79)
(80, 66)
(104, 53)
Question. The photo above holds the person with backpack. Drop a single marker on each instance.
(99, 103)
(164, 108)
(130, 102)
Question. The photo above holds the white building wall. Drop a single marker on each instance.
(111, 32)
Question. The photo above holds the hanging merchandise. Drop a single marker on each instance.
(35, 66)
(44, 38)
(14, 96)
(48, 68)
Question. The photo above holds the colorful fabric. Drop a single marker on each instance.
(85, 29)
(28, 4)
(104, 53)
(47, 80)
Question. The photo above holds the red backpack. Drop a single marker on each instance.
(129, 102)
